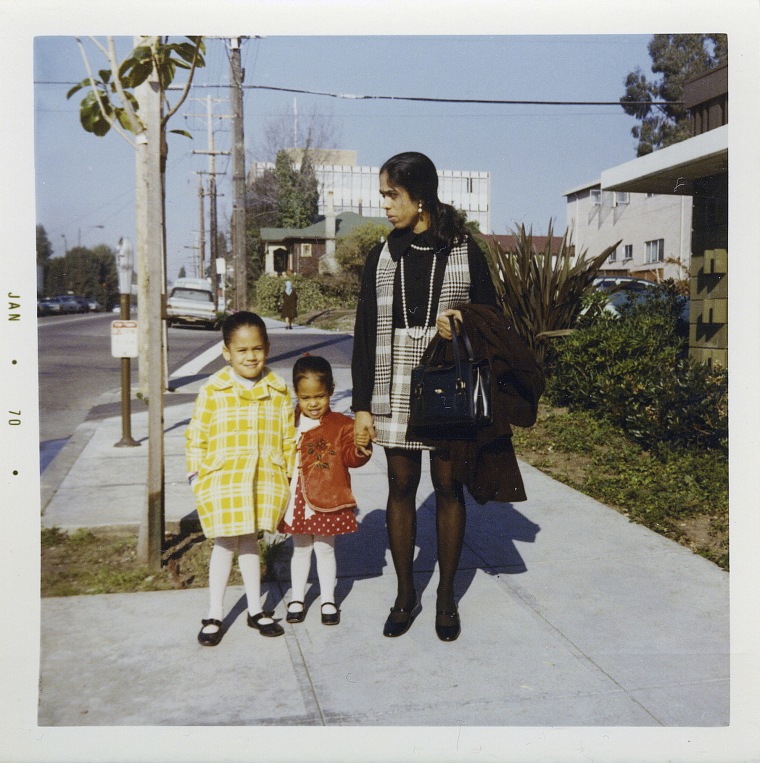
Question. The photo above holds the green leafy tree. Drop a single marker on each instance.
(676, 58)
(86, 273)
(109, 102)
(297, 192)
(352, 249)
(44, 247)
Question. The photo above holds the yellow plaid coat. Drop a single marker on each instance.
(242, 444)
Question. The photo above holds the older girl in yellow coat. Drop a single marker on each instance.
(240, 453)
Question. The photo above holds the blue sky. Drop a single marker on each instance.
(534, 153)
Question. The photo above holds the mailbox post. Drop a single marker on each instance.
(124, 340)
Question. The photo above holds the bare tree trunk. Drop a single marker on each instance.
(150, 538)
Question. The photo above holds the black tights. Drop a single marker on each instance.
(404, 469)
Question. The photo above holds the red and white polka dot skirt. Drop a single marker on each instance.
(320, 523)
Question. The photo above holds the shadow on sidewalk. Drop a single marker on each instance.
(489, 545)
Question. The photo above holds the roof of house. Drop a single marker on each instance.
(345, 222)
(507, 242)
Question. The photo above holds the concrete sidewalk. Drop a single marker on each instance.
(571, 615)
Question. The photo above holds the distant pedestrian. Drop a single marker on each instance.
(289, 304)
(240, 448)
(321, 502)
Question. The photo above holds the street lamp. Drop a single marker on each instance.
(65, 243)
(125, 265)
(89, 227)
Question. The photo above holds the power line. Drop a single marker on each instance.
(422, 99)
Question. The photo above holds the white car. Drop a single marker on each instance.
(191, 301)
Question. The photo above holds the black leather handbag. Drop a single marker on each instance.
(450, 401)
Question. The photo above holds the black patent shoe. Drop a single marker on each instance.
(295, 617)
(210, 639)
(400, 620)
(451, 631)
(332, 618)
(267, 629)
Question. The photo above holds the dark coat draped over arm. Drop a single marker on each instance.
(486, 463)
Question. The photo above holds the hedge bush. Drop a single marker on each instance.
(319, 292)
(634, 370)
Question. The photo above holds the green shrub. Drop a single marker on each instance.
(319, 292)
(634, 370)
(542, 291)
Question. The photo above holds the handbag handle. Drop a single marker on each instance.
(455, 340)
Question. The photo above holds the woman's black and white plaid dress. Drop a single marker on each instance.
(400, 349)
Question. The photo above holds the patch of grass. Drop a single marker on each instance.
(105, 561)
(677, 492)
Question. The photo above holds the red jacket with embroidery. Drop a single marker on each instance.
(327, 453)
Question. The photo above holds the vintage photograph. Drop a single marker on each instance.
(379, 388)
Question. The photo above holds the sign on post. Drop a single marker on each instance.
(124, 339)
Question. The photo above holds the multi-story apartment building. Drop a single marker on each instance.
(654, 230)
(355, 187)
(697, 169)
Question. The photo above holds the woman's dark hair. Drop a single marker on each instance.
(313, 365)
(242, 318)
(417, 174)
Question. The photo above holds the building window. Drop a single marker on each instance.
(305, 250)
(613, 256)
(656, 250)
(622, 197)
(596, 196)
(627, 252)
(469, 185)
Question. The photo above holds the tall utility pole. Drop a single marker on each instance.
(212, 205)
(202, 240)
(212, 193)
(238, 177)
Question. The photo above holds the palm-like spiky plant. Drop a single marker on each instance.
(542, 292)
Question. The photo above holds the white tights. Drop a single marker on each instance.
(324, 550)
(220, 566)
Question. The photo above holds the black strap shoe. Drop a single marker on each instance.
(330, 618)
(213, 638)
(400, 620)
(448, 631)
(295, 617)
(267, 629)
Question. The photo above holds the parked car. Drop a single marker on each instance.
(84, 304)
(93, 305)
(608, 283)
(621, 290)
(46, 306)
(191, 301)
(64, 303)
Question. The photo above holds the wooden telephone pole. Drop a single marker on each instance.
(238, 177)
(212, 193)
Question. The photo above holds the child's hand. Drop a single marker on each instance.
(364, 433)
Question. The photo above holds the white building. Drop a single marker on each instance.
(654, 230)
(355, 187)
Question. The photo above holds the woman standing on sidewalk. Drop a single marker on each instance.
(410, 285)
(289, 304)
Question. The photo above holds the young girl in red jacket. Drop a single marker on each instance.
(321, 502)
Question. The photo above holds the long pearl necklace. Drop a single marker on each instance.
(420, 329)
